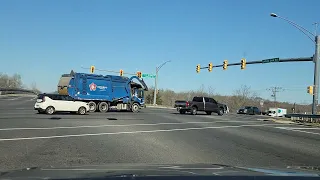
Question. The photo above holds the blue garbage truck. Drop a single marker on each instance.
(103, 92)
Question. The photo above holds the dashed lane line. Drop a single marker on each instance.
(131, 132)
(115, 125)
(302, 130)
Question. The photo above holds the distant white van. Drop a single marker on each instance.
(277, 112)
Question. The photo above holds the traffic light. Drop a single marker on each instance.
(225, 64)
(210, 67)
(243, 63)
(121, 72)
(139, 74)
(92, 69)
(198, 68)
(310, 90)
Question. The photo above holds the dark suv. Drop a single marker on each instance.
(252, 110)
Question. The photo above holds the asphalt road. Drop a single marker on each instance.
(154, 136)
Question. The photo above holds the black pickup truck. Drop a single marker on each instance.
(205, 104)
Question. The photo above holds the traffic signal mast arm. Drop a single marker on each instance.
(272, 60)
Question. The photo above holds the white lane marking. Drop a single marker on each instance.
(23, 108)
(282, 127)
(33, 99)
(294, 128)
(130, 132)
(112, 125)
(305, 128)
(297, 130)
(308, 132)
(13, 99)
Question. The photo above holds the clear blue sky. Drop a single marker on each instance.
(43, 39)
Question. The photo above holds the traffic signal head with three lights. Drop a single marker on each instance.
(210, 67)
(310, 90)
(243, 63)
(225, 64)
(139, 74)
(198, 68)
(92, 69)
(121, 72)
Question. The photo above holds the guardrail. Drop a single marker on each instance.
(311, 118)
(15, 90)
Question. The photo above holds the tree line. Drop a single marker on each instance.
(241, 97)
(15, 82)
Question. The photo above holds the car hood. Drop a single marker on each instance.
(136, 170)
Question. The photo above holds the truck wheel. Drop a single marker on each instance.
(208, 112)
(182, 112)
(50, 110)
(92, 106)
(135, 107)
(82, 110)
(103, 107)
(193, 111)
(220, 112)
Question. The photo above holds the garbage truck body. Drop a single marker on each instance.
(103, 92)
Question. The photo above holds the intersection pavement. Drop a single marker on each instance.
(153, 136)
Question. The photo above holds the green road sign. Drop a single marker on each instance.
(271, 60)
(148, 76)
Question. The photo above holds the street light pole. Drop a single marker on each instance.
(156, 82)
(316, 40)
(316, 76)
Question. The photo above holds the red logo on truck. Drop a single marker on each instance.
(93, 87)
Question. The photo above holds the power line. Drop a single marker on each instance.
(274, 91)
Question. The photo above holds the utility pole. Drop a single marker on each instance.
(274, 91)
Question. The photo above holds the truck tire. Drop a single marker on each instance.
(220, 112)
(182, 111)
(92, 106)
(135, 107)
(193, 111)
(82, 110)
(50, 110)
(103, 107)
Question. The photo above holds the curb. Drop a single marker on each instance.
(160, 107)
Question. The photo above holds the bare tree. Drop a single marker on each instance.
(13, 81)
(34, 88)
(243, 96)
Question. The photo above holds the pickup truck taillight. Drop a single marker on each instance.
(187, 104)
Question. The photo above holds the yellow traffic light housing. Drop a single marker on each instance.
(121, 72)
(198, 68)
(243, 63)
(210, 67)
(225, 64)
(310, 90)
(139, 74)
(92, 69)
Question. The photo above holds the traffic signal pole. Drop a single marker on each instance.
(156, 82)
(316, 75)
(155, 88)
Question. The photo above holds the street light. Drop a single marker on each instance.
(316, 40)
(156, 82)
